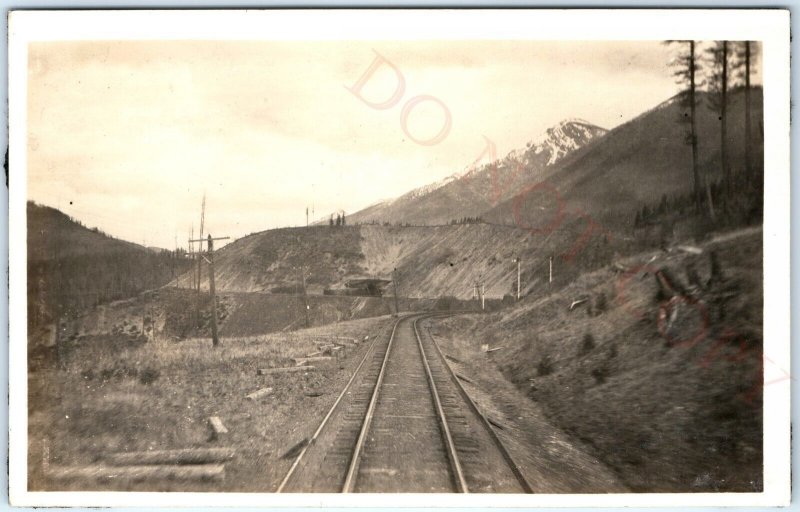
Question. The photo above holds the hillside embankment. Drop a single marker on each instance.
(426, 261)
(654, 363)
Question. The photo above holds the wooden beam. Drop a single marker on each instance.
(261, 393)
(302, 361)
(215, 472)
(217, 428)
(290, 369)
(185, 456)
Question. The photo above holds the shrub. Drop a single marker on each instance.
(600, 374)
(545, 366)
(600, 303)
(587, 345)
(149, 375)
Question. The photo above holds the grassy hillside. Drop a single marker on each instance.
(431, 261)
(272, 260)
(666, 391)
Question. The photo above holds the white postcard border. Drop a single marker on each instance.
(769, 26)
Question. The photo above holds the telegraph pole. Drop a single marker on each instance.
(551, 270)
(305, 295)
(483, 297)
(211, 287)
(174, 259)
(519, 275)
(214, 337)
(200, 249)
(396, 302)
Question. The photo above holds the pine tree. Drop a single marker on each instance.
(718, 101)
(686, 65)
(743, 66)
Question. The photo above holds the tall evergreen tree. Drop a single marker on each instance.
(743, 66)
(719, 56)
(687, 66)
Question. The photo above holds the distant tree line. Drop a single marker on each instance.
(63, 287)
(467, 220)
(340, 220)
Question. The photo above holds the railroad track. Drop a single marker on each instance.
(404, 423)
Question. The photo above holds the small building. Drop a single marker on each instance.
(361, 287)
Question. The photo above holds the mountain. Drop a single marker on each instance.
(598, 175)
(472, 191)
(639, 163)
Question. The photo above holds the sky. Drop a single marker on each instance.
(129, 136)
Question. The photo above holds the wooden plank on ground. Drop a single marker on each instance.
(316, 359)
(215, 472)
(290, 369)
(217, 426)
(261, 393)
(185, 456)
(691, 249)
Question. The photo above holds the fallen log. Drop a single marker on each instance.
(214, 472)
(290, 369)
(301, 361)
(261, 393)
(156, 457)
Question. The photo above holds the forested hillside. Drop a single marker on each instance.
(72, 267)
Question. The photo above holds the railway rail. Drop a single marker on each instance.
(404, 423)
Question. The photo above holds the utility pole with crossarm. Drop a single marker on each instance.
(212, 291)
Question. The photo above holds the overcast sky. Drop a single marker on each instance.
(127, 136)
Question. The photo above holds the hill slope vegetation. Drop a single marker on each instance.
(71, 267)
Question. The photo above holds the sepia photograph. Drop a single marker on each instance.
(287, 254)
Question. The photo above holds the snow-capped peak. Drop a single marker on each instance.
(557, 141)
(564, 137)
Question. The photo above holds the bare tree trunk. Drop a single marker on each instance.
(747, 127)
(695, 172)
(726, 171)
